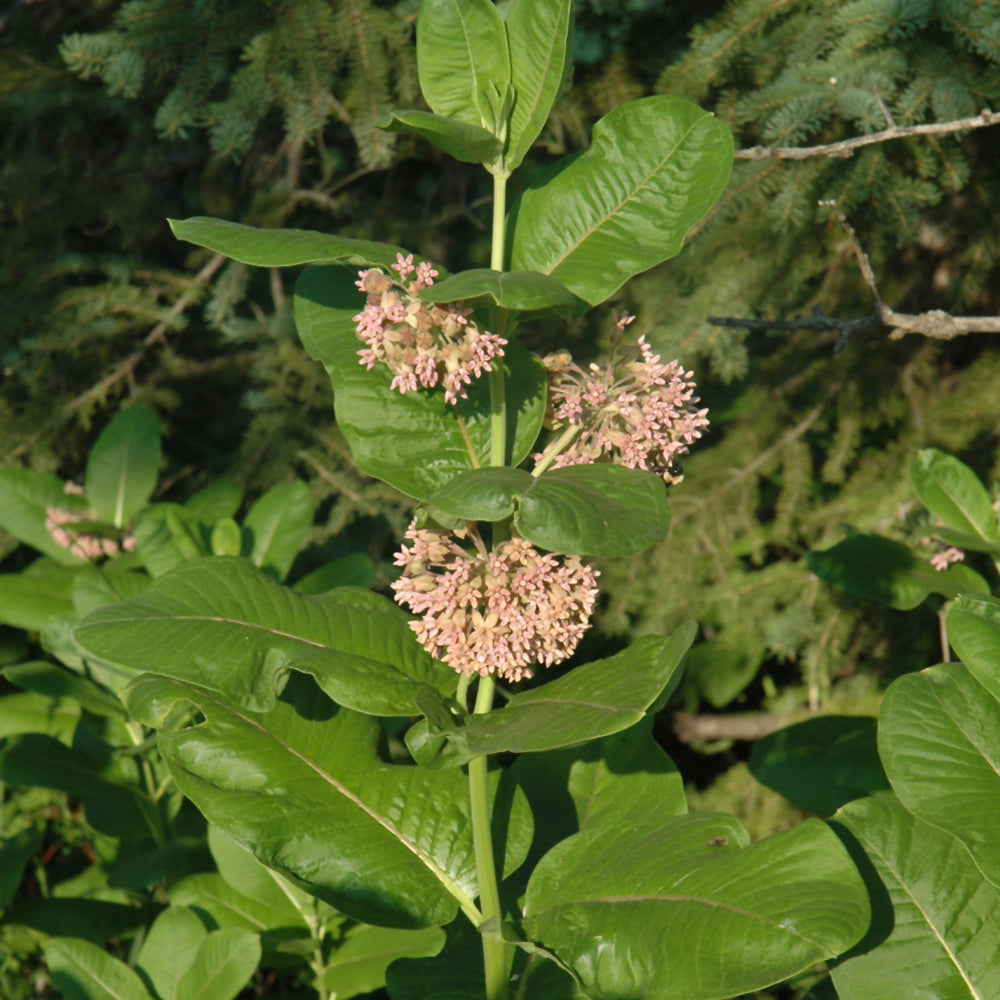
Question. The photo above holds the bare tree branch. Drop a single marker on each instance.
(935, 323)
(708, 728)
(846, 147)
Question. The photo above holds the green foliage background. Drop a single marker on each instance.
(114, 116)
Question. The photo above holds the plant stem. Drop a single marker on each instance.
(494, 950)
(498, 408)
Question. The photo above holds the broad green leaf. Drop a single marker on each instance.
(963, 540)
(25, 495)
(590, 701)
(359, 963)
(222, 967)
(882, 570)
(167, 536)
(211, 894)
(415, 442)
(59, 683)
(226, 538)
(215, 502)
(224, 625)
(805, 762)
(15, 853)
(460, 140)
(29, 712)
(598, 510)
(538, 35)
(516, 291)
(461, 57)
(655, 168)
(354, 570)
(32, 598)
(97, 586)
(277, 525)
(723, 667)
(303, 787)
(82, 971)
(124, 465)
(168, 950)
(953, 494)
(281, 247)
(245, 873)
(973, 625)
(685, 908)
(96, 920)
(934, 930)
(939, 737)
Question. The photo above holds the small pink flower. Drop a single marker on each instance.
(943, 559)
(422, 344)
(498, 612)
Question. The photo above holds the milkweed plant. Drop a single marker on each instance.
(532, 817)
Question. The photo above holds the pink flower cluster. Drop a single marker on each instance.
(59, 524)
(496, 612)
(634, 411)
(943, 559)
(422, 344)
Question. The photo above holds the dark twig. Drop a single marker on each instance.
(846, 147)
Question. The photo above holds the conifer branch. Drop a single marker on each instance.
(126, 367)
(846, 147)
(935, 323)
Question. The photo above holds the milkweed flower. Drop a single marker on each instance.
(422, 344)
(68, 529)
(943, 559)
(633, 411)
(498, 612)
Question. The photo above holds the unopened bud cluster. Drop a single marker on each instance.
(422, 344)
(496, 612)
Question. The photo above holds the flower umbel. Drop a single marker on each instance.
(422, 344)
(634, 411)
(498, 612)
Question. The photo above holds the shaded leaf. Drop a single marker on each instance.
(281, 247)
(880, 569)
(461, 140)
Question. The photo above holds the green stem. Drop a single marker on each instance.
(555, 448)
(494, 950)
(498, 407)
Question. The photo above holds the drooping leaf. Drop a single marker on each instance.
(82, 971)
(25, 495)
(303, 787)
(517, 291)
(953, 494)
(973, 624)
(654, 169)
(538, 34)
(224, 625)
(805, 762)
(123, 466)
(589, 702)
(281, 247)
(685, 908)
(880, 569)
(939, 738)
(934, 931)
(415, 441)
(277, 526)
(461, 140)
(461, 57)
